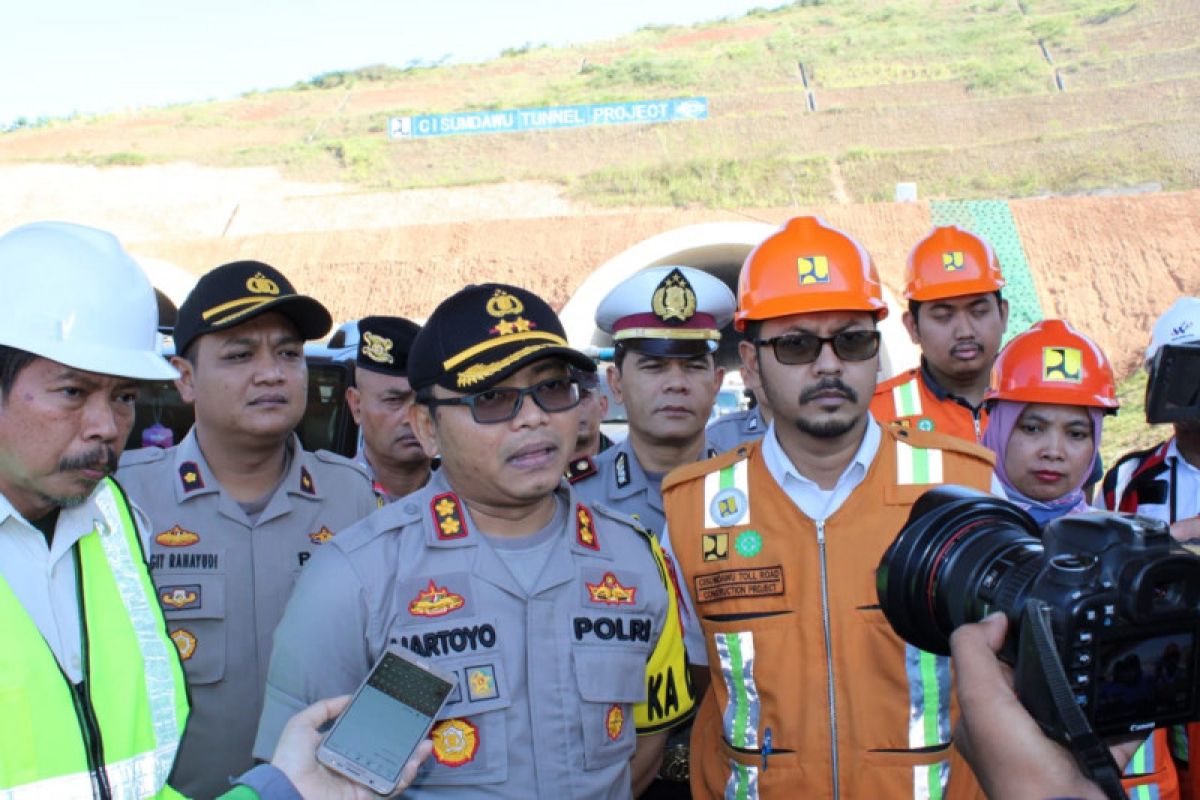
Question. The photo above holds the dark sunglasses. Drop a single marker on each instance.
(504, 403)
(805, 348)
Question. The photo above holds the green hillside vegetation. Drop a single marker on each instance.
(961, 97)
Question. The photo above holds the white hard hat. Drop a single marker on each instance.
(73, 295)
(1179, 325)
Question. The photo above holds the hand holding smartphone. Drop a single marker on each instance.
(390, 714)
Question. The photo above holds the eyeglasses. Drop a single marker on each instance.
(805, 348)
(503, 403)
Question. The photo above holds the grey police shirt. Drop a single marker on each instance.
(223, 581)
(730, 430)
(618, 481)
(546, 680)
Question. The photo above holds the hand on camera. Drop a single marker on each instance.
(1010, 755)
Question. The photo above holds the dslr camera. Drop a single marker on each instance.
(1103, 608)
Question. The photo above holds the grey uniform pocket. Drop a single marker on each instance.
(194, 606)
(610, 684)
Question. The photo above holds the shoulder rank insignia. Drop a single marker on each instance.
(610, 592)
(322, 536)
(189, 476)
(580, 468)
(455, 742)
(175, 536)
(585, 528)
(435, 601)
(621, 465)
(185, 643)
(306, 482)
(178, 598)
(448, 517)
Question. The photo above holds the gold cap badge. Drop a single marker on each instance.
(377, 348)
(674, 299)
(261, 284)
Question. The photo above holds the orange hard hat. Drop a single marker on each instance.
(951, 262)
(804, 267)
(1053, 363)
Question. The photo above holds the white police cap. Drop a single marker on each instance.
(668, 311)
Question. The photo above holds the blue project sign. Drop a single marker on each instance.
(532, 119)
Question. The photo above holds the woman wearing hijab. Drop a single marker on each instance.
(1050, 390)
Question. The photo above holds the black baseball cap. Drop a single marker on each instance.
(240, 291)
(480, 335)
(384, 344)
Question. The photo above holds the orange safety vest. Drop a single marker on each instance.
(812, 695)
(908, 399)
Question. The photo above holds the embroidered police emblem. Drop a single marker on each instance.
(322, 536)
(447, 517)
(926, 424)
(175, 536)
(813, 269)
(502, 304)
(622, 470)
(377, 348)
(455, 742)
(952, 261)
(749, 544)
(614, 722)
(189, 476)
(185, 643)
(178, 598)
(1062, 365)
(585, 528)
(435, 601)
(481, 683)
(306, 482)
(674, 300)
(610, 591)
(261, 284)
(715, 546)
(728, 506)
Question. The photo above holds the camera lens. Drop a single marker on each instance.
(961, 555)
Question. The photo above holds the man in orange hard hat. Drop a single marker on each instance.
(807, 692)
(957, 316)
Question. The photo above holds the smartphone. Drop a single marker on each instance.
(389, 715)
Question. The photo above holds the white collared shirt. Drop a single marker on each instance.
(43, 577)
(817, 503)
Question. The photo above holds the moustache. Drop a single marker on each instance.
(828, 384)
(104, 458)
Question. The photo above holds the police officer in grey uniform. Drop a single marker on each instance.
(665, 323)
(379, 401)
(237, 508)
(557, 618)
(729, 430)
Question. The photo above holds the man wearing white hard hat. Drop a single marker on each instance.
(92, 696)
(1164, 481)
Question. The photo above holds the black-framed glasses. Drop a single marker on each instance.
(805, 348)
(504, 403)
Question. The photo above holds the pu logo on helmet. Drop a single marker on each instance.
(261, 284)
(813, 269)
(952, 261)
(1062, 365)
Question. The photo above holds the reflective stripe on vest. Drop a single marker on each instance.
(743, 782)
(917, 465)
(928, 716)
(43, 755)
(727, 496)
(907, 398)
(736, 654)
(1142, 763)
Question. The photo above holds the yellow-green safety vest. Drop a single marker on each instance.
(135, 694)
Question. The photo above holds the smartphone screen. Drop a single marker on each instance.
(392, 712)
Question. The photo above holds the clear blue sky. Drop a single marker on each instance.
(64, 56)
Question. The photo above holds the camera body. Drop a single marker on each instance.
(1121, 598)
